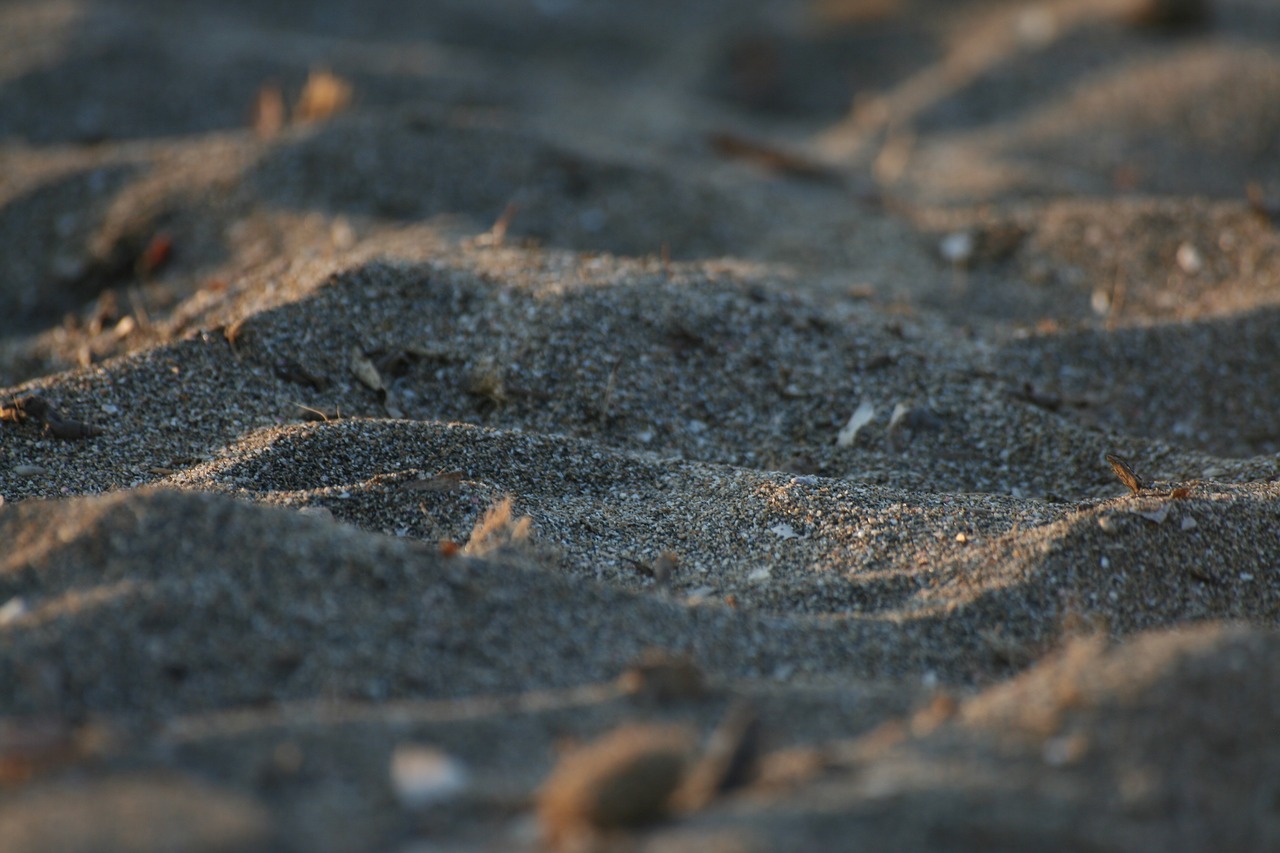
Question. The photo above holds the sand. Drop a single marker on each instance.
(354, 458)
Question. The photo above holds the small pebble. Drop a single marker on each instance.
(1189, 259)
(957, 248)
(1157, 515)
(12, 610)
(423, 776)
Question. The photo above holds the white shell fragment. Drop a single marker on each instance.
(701, 594)
(13, 610)
(957, 248)
(364, 370)
(861, 416)
(1189, 259)
(899, 412)
(1100, 302)
(1157, 515)
(423, 775)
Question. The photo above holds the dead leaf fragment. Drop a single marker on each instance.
(624, 779)
(324, 96)
(1203, 573)
(291, 370)
(664, 567)
(787, 768)
(941, 708)
(33, 407)
(1007, 648)
(498, 231)
(70, 430)
(1260, 204)
(729, 761)
(28, 406)
(394, 363)
(232, 333)
(659, 677)
(31, 747)
(1167, 14)
(771, 158)
(311, 413)
(498, 529)
(158, 252)
(1125, 473)
(268, 111)
(487, 381)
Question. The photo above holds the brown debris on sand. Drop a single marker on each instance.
(1125, 473)
(35, 408)
(622, 780)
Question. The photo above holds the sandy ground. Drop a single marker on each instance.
(402, 401)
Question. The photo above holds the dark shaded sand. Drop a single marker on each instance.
(371, 452)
